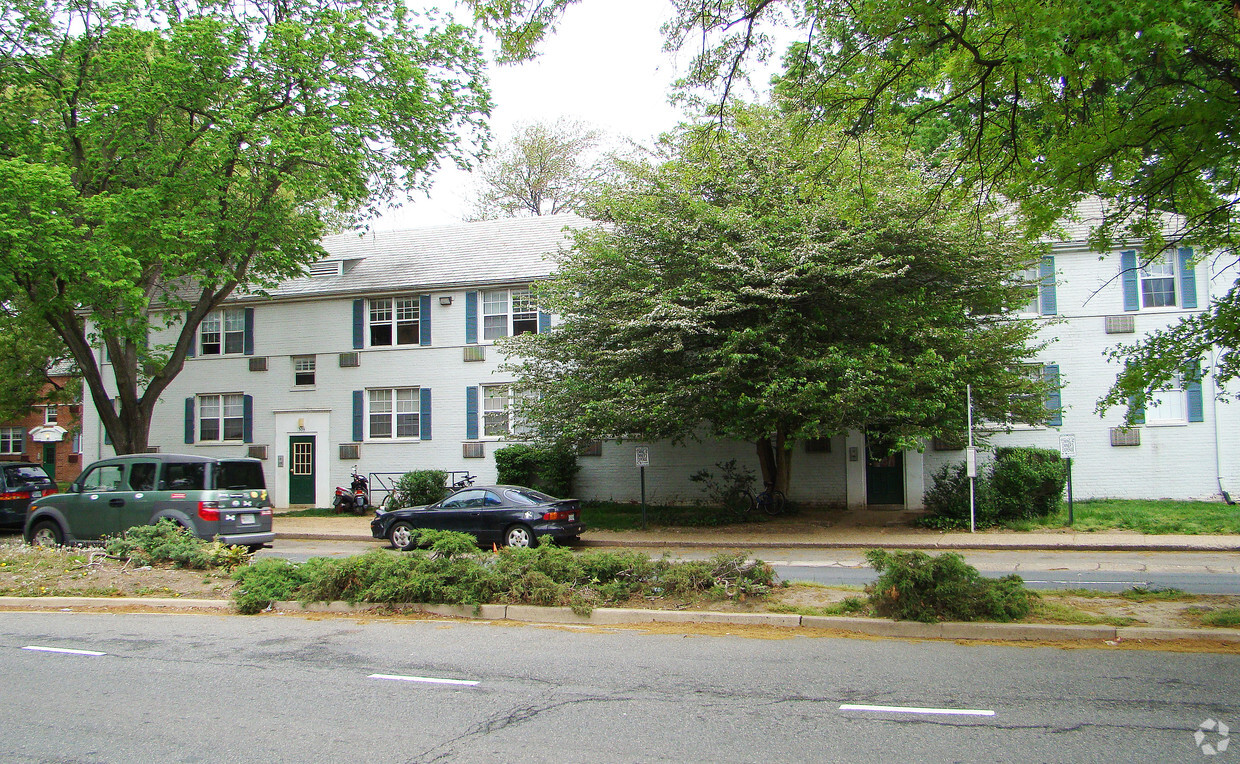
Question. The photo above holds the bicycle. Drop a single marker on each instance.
(771, 500)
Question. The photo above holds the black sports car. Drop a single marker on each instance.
(496, 514)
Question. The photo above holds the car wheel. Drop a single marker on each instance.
(47, 533)
(520, 536)
(402, 536)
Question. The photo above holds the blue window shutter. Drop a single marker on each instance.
(359, 325)
(1192, 389)
(471, 317)
(358, 414)
(249, 332)
(193, 346)
(424, 418)
(1128, 276)
(1054, 405)
(471, 413)
(247, 419)
(1046, 291)
(1138, 412)
(544, 321)
(189, 420)
(1188, 280)
(424, 320)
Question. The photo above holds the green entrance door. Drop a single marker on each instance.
(884, 478)
(301, 469)
(49, 459)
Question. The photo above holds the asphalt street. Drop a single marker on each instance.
(1194, 572)
(126, 687)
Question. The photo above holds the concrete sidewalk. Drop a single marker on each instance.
(808, 533)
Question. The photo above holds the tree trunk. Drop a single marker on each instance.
(775, 458)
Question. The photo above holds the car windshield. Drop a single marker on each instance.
(22, 474)
(231, 476)
(527, 497)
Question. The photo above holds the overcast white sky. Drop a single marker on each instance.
(604, 66)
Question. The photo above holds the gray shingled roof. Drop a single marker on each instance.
(439, 257)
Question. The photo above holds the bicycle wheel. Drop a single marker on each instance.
(738, 504)
(772, 501)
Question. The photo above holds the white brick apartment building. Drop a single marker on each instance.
(382, 358)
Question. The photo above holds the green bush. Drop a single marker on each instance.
(1021, 483)
(549, 469)
(1027, 482)
(166, 541)
(417, 488)
(730, 490)
(914, 586)
(454, 571)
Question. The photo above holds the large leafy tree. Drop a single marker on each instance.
(155, 157)
(546, 168)
(33, 362)
(1043, 102)
(753, 287)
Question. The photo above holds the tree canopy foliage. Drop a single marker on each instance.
(752, 285)
(157, 156)
(546, 168)
(1040, 102)
(33, 362)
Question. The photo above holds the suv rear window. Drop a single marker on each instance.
(18, 475)
(231, 476)
(183, 476)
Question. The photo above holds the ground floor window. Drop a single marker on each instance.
(394, 412)
(12, 440)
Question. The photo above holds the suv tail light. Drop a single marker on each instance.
(209, 511)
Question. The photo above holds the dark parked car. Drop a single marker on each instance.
(496, 514)
(19, 483)
(223, 499)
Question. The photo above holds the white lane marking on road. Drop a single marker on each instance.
(426, 679)
(1089, 583)
(913, 710)
(61, 650)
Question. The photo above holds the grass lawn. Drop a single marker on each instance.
(1145, 516)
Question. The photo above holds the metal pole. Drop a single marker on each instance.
(643, 474)
(968, 392)
(1069, 492)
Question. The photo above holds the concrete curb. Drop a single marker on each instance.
(1001, 632)
(980, 546)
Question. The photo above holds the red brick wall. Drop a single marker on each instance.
(68, 463)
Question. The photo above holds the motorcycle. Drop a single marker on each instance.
(464, 482)
(355, 498)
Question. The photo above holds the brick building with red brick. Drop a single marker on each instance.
(48, 435)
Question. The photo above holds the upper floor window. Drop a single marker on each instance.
(303, 370)
(50, 414)
(221, 417)
(223, 332)
(12, 440)
(394, 321)
(394, 412)
(1166, 280)
(508, 312)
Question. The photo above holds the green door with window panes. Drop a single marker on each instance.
(49, 460)
(301, 469)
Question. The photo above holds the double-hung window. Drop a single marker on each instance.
(1169, 405)
(221, 417)
(1166, 280)
(12, 440)
(394, 412)
(223, 332)
(303, 370)
(495, 410)
(394, 321)
(50, 414)
(508, 312)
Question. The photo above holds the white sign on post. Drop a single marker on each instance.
(970, 461)
(643, 456)
(1067, 446)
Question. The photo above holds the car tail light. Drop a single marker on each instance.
(209, 510)
(50, 491)
(560, 514)
(265, 512)
(15, 496)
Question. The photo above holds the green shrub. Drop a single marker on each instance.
(549, 469)
(166, 541)
(914, 586)
(730, 490)
(948, 499)
(417, 488)
(266, 581)
(1026, 482)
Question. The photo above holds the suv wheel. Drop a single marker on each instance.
(47, 533)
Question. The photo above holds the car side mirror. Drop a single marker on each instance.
(75, 488)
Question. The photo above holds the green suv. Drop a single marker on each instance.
(223, 499)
